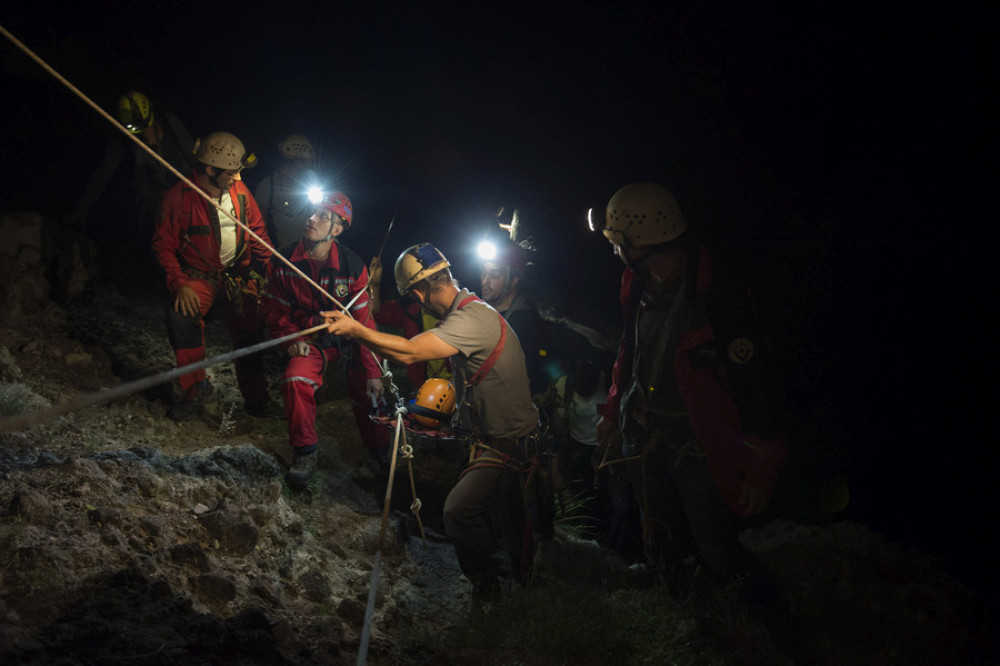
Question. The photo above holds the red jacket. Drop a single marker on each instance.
(186, 239)
(623, 362)
(740, 445)
(291, 304)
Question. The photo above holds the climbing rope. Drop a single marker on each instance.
(29, 420)
(25, 421)
(406, 451)
(152, 153)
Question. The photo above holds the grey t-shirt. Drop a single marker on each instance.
(501, 403)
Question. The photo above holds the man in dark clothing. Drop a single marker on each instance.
(500, 282)
(684, 377)
(149, 179)
(281, 194)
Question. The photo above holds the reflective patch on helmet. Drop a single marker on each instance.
(340, 288)
(740, 350)
(427, 255)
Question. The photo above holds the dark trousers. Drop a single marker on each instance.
(682, 510)
(467, 519)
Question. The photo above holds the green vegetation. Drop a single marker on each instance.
(565, 625)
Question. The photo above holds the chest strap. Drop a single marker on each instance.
(495, 354)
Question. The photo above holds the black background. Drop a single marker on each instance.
(840, 155)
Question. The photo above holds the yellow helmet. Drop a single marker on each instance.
(643, 214)
(417, 263)
(135, 111)
(434, 403)
(223, 150)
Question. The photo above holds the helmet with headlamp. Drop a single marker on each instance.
(223, 150)
(296, 147)
(135, 111)
(641, 215)
(417, 263)
(339, 204)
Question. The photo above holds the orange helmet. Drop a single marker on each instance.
(434, 403)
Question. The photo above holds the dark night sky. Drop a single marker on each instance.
(833, 152)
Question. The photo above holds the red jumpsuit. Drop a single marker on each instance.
(292, 304)
(186, 243)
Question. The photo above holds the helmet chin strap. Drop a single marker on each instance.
(636, 265)
(329, 237)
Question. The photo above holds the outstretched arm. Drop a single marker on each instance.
(423, 347)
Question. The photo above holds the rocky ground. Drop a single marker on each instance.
(128, 538)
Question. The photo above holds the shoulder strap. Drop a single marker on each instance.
(495, 354)
(242, 237)
(350, 262)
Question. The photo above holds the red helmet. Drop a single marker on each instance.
(338, 203)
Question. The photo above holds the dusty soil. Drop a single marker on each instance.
(128, 538)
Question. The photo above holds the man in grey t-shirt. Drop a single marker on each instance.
(494, 400)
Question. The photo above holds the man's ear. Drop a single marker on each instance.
(417, 294)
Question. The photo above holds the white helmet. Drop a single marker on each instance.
(223, 150)
(296, 147)
(643, 214)
(417, 263)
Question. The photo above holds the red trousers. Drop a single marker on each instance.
(303, 377)
(246, 327)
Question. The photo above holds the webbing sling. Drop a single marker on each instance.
(495, 354)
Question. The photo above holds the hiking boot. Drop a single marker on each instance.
(302, 469)
(190, 404)
(267, 410)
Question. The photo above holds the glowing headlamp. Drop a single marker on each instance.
(315, 194)
(487, 250)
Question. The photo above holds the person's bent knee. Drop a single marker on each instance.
(183, 330)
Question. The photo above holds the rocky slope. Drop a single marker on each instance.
(128, 538)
